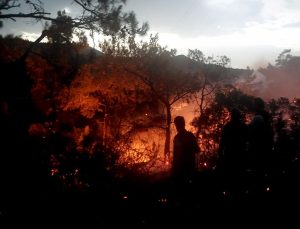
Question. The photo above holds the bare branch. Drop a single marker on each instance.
(180, 96)
(211, 91)
(33, 44)
(5, 5)
(86, 8)
(38, 16)
(148, 83)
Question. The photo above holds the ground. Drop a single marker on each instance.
(146, 202)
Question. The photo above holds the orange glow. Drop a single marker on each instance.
(144, 151)
(135, 154)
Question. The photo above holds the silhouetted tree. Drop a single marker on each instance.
(283, 58)
(158, 68)
(60, 30)
(102, 16)
(196, 55)
(106, 17)
(217, 114)
(212, 73)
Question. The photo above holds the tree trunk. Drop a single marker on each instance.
(168, 131)
(32, 45)
(199, 124)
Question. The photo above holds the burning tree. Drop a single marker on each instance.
(214, 75)
(168, 79)
(53, 80)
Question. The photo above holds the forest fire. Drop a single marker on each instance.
(136, 154)
(144, 152)
(128, 132)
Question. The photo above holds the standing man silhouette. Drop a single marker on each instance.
(184, 153)
(232, 150)
(261, 156)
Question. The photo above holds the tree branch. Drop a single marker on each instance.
(148, 83)
(180, 96)
(86, 8)
(33, 44)
(5, 5)
(38, 16)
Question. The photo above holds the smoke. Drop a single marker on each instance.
(282, 84)
(271, 83)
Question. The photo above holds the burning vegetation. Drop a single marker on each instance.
(118, 107)
(85, 114)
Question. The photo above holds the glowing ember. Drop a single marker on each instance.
(53, 172)
(163, 200)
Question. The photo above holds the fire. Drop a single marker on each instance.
(137, 153)
(144, 151)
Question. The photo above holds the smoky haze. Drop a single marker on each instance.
(273, 82)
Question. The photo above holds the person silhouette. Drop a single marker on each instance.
(232, 149)
(262, 123)
(185, 147)
(184, 152)
(260, 141)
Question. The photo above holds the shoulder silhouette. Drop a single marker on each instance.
(185, 148)
(233, 141)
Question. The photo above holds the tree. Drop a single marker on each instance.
(196, 55)
(211, 72)
(102, 16)
(60, 30)
(35, 10)
(216, 115)
(283, 58)
(159, 69)
(199, 57)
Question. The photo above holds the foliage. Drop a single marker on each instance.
(159, 69)
(216, 114)
(102, 16)
(198, 56)
(60, 30)
(284, 57)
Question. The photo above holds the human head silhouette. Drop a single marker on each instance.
(235, 114)
(179, 123)
(259, 104)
